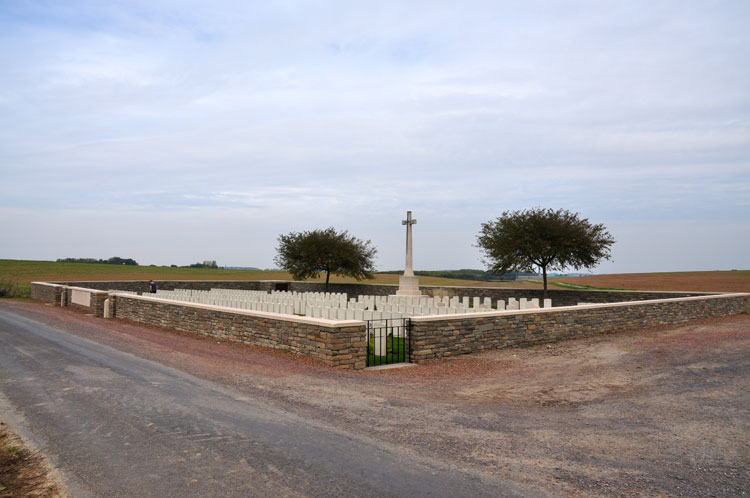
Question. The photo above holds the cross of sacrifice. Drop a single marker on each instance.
(408, 271)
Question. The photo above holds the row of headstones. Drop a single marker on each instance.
(239, 293)
(362, 308)
(246, 295)
(390, 311)
(274, 296)
(301, 301)
(332, 300)
(279, 303)
(246, 299)
(391, 303)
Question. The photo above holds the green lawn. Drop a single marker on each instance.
(396, 350)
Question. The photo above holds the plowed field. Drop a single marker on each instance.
(703, 281)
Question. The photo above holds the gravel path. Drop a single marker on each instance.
(647, 413)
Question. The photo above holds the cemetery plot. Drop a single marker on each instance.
(337, 306)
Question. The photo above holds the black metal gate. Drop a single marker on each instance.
(388, 341)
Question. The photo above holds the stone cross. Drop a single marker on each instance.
(408, 283)
(408, 271)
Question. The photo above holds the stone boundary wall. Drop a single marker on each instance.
(559, 297)
(339, 344)
(64, 295)
(440, 337)
(342, 344)
(49, 293)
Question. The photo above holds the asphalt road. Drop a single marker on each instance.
(118, 425)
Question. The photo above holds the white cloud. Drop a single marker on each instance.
(190, 119)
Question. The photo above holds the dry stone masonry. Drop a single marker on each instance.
(330, 327)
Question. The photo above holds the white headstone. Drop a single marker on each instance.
(379, 343)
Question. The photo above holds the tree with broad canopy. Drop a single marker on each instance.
(541, 240)
(306, 254)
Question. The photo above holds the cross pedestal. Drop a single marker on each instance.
(408, 283)
(408, 286)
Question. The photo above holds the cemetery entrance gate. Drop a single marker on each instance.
(388, 341)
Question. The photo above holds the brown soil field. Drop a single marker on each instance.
(699, 281)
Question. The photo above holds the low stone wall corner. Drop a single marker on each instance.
(336, 344)
(445, 336)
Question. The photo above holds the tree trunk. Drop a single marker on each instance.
(328, 276)
(544, 274)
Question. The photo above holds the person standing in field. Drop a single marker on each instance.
(152, 287)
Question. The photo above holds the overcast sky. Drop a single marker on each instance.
(175, 131)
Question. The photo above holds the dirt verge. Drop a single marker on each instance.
(23, 472)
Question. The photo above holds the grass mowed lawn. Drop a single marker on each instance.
(396, 350)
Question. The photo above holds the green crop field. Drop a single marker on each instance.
(23, 272)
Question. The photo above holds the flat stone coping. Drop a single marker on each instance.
(48, 284)
(489, 314)
(86, 289)
(322, 322)
(72, 287)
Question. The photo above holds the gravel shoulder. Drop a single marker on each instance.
(657, 412)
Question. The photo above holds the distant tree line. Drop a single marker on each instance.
(111, 261)
(205, 264)
(128, 261)
(465, 274)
